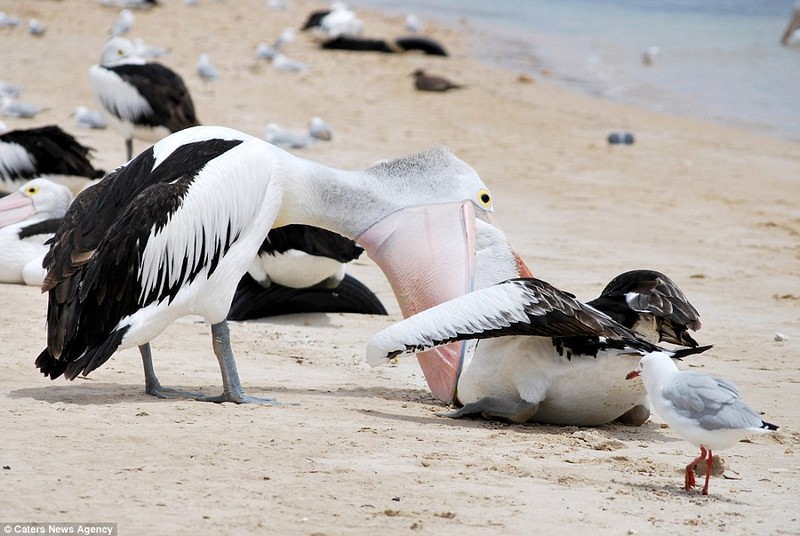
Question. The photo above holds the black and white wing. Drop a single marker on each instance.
(524, 306)
(646, 301)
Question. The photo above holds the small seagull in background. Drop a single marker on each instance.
(277, 4)
(9, 21)
(10, 107)
(319, 129)
(86, 118)
(123, 24)
(426, 82)
(649, 55)
(277, 135)
(35, 27)
(282, 63)
(413, 23)
(268, 52)
(205, 69)
(705, 410)
(144, 50)
(7, 89)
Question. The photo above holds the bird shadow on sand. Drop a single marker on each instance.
(674, 491)
(85, 391)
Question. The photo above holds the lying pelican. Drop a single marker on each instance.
(546, 357)
(28, 218)
(302, 269)
(172, 232)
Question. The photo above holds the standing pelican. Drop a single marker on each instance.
(28, 218)
(140, 99)
(172, 232)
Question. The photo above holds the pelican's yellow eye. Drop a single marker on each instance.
(484, 198)
(31, 190)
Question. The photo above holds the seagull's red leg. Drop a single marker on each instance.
(690, 481)
(708, 471)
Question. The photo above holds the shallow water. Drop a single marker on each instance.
(719, 60)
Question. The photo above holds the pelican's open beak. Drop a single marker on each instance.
(632, 374)
(428, 255)
(15, 207)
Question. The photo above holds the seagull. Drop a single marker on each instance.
(35, 27)
(140, 99)
(146, 51)
(705, 410)
(650, 54)
(277, 135)
(123, 24)
(281, 63)
(427, 82)
(28, 218)
(9, 21)
(205, 69)
(413, 23)
(10, 107)
(42, 152)
(86, 118)
(173, 231)
(7, 89)
(320, 129)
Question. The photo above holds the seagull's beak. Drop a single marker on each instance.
(632, 374)
(15, 207)
(428, 255)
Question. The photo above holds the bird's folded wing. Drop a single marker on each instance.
(524, 306)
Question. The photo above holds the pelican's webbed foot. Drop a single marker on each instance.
(516, 411)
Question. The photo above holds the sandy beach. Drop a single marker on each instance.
(356, 450)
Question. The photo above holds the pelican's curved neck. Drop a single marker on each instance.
(346, 202)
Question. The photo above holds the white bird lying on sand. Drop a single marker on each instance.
(28, 218)
(705, 410)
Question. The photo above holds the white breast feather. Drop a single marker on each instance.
(117, 95)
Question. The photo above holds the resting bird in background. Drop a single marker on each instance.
(205, 69)
(140, 99)
(705, 410)
(426, 82)
(28, 218)
(46, 152)
(302, 269)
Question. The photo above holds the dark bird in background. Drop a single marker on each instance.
(301, 269)
(139, 98)
(427, 82)
(43, 151)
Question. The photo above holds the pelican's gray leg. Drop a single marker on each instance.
(151, 384)
(517, 411)
(231, 387)
(129, 147)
